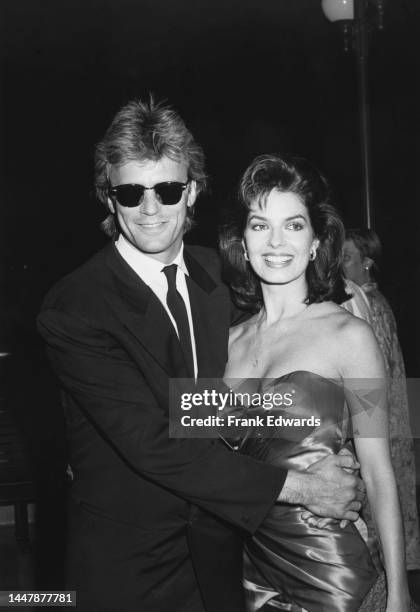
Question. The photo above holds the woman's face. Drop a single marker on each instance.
(353, 263)
(278, 238)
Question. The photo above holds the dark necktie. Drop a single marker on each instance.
(178, 310)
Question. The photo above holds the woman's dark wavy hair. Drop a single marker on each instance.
(288, 175)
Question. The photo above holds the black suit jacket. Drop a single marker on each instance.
(148, 530)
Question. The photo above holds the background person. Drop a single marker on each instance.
(358, 304)
(362, 258)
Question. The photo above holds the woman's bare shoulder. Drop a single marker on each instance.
(330, 314)
(355, 331)
(348, 336)
(340, 319)
(357, 350)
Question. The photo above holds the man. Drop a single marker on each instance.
(154, 522)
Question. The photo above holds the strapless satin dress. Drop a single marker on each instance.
(289, 565)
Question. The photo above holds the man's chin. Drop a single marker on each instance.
(157, 249)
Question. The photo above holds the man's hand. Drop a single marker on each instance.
(326, 489)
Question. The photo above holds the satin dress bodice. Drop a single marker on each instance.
(289, 565)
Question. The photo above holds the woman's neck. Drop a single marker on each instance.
(283, 301)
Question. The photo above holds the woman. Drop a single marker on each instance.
(362, 255)
(358, 303)
(282, 254)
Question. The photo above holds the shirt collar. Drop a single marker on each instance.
(148, 268)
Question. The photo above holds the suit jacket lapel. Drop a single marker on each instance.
(144, 317)
(210, 314)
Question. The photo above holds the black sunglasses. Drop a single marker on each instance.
(130, 195)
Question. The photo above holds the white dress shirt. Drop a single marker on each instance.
(150, 272)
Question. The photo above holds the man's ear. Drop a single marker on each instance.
(110, 205)
(192, 193)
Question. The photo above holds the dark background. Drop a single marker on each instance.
(248, 76)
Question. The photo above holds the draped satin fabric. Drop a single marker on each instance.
(289, 565)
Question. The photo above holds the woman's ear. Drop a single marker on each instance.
(245, 250)
(367, 263)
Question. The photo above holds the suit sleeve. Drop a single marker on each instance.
(112, 393)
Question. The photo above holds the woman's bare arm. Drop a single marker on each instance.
(364, 379)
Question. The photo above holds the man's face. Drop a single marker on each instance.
(154, 228)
